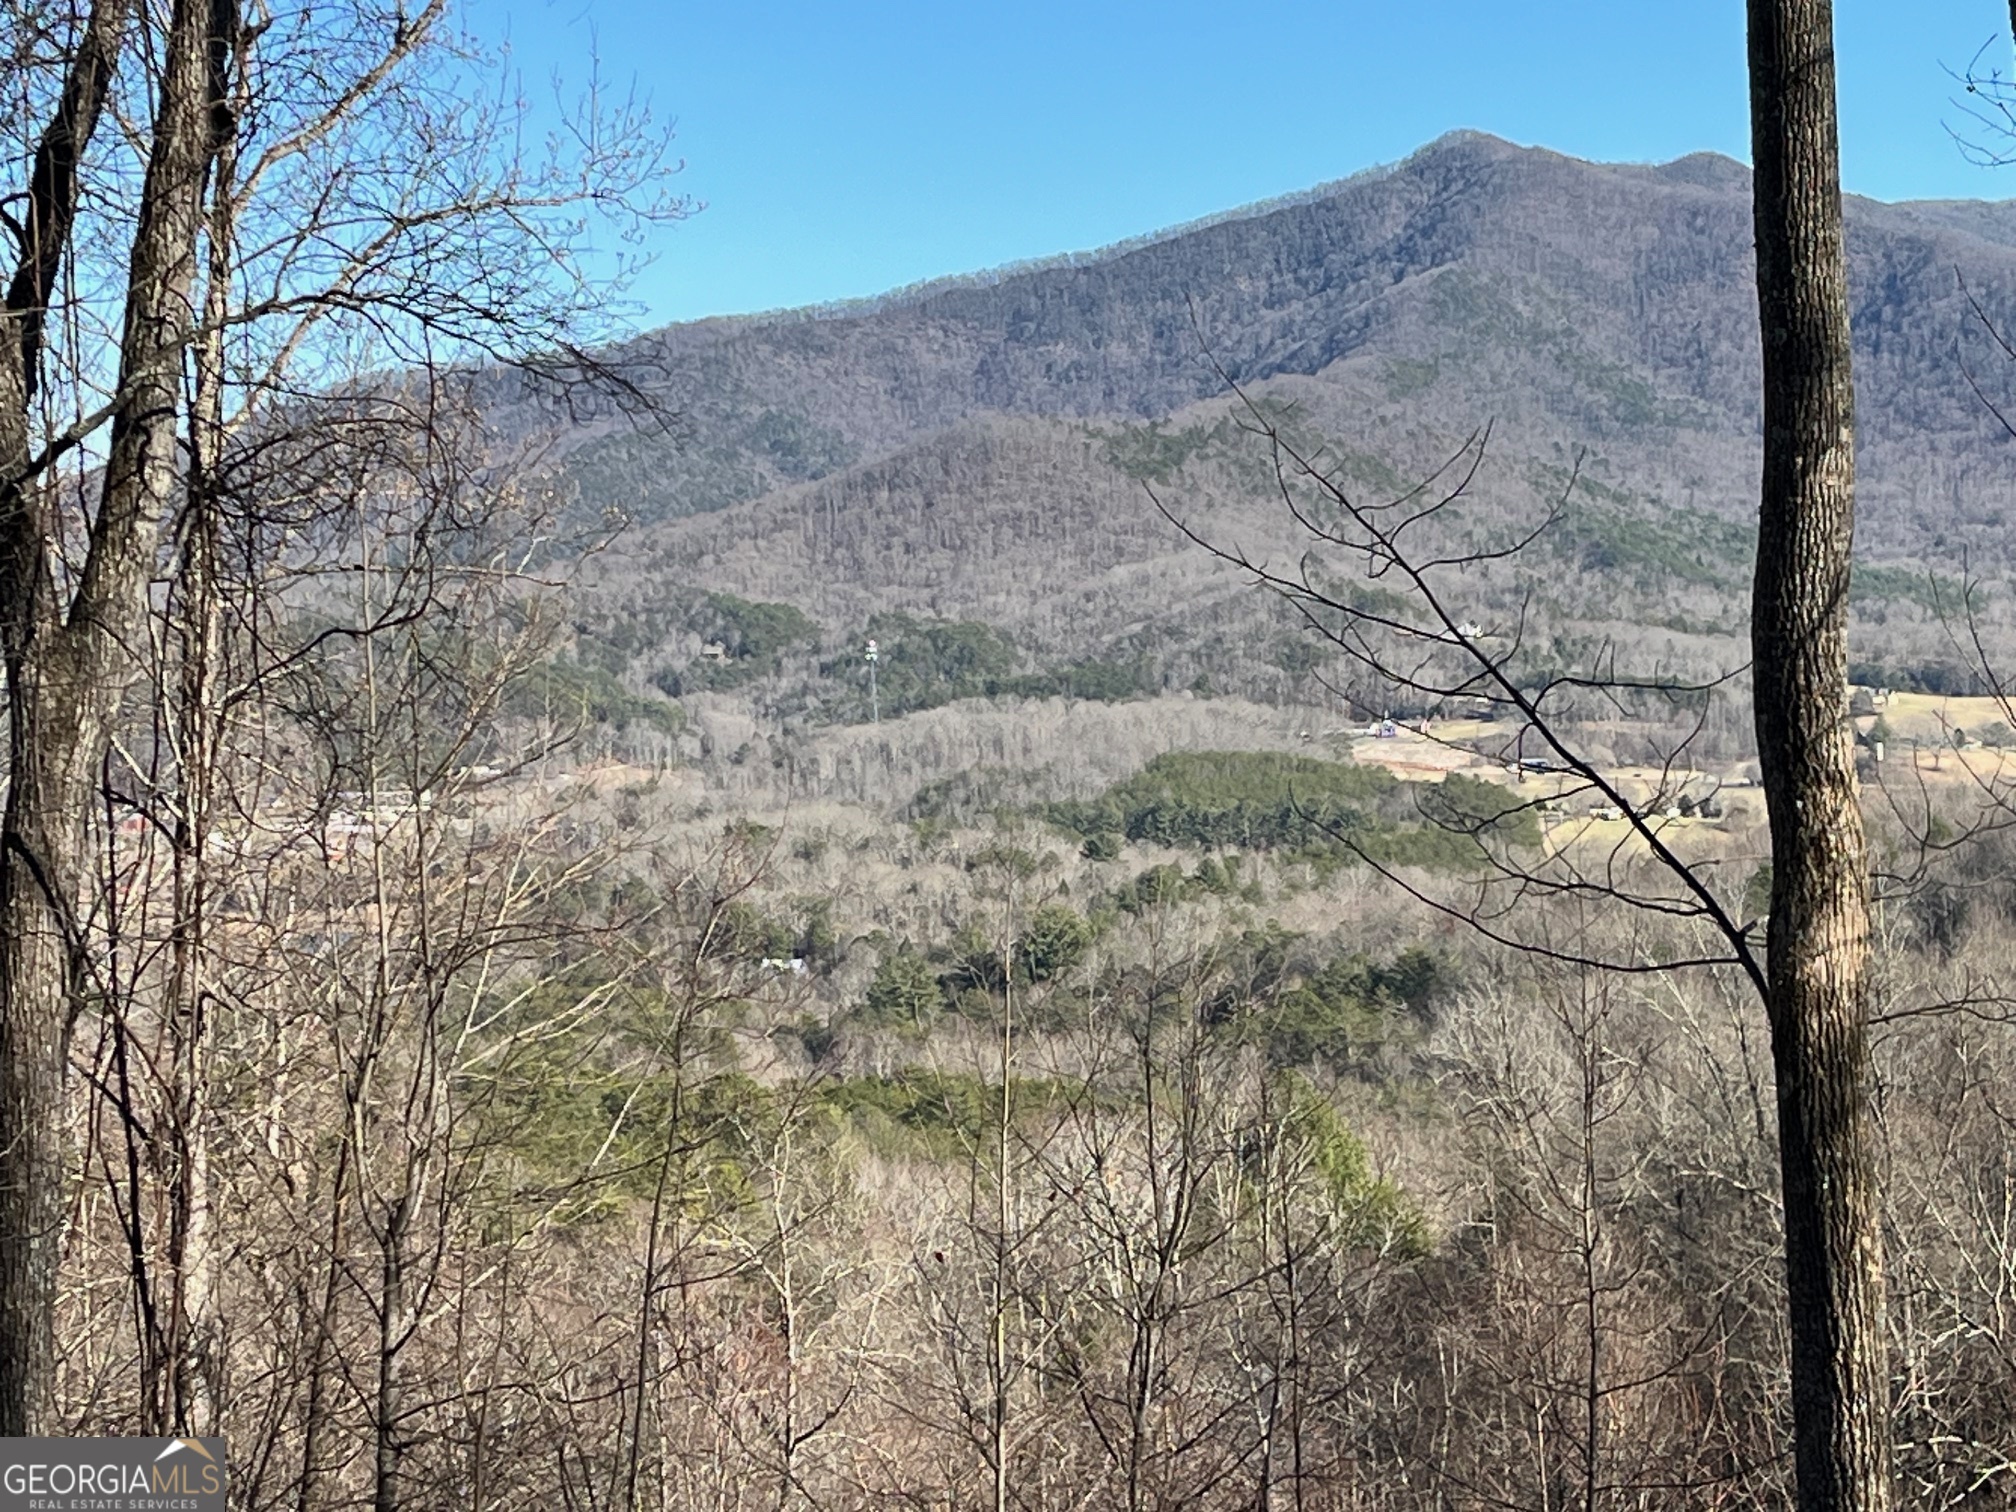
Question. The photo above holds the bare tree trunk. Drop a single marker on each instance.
(1818, 966)
(43, 815)
(389, 1408)
(997, 1337)
(194, 1358)
(320, 1326)
(67, 664)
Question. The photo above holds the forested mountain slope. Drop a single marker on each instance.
(982, 448)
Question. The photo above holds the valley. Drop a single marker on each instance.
(1138, 881)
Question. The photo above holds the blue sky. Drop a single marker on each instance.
(846, 149)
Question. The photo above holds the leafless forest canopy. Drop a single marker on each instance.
(978, 451)
(548, 1023)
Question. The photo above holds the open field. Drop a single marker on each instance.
(1935, 719)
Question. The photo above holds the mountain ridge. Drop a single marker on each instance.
(828, 458)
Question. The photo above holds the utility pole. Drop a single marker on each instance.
(874, 703)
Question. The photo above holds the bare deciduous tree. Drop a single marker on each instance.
(296, 201)
(1410, 632)
(1816, 991)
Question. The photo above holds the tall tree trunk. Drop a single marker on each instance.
(41, 827)
(394, 1328)
(67, 666)
(1818, 970)
(194, 1360)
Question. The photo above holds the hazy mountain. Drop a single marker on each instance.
(978, 448)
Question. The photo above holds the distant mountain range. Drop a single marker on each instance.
(980, 449)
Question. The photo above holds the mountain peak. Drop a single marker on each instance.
(1466, 138)
(1706, 170)
(976, 449)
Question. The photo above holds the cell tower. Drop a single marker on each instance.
(874, 655)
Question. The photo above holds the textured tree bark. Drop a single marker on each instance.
(38, 849)
(193, 1359)
(67, 666)
(394, 1327)
(1818, 968)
